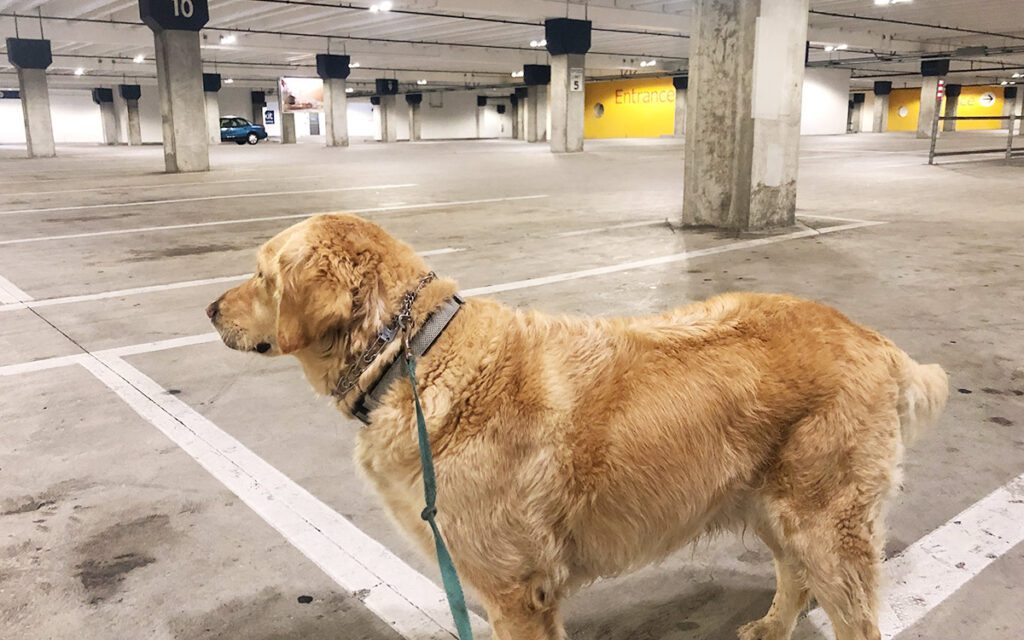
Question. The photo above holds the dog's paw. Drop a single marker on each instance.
(763, 629)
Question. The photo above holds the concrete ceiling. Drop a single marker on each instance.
(456, 43)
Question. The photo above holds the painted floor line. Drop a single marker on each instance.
(612, 227)
(29, 303)
(10, 293)
(676, 257)
(291, 216)
(166, 185)
(150, 203)
(174, 343)
(403, 598)
(939, 564)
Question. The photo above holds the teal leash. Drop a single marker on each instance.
(450, 578)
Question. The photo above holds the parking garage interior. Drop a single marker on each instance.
(604, 158)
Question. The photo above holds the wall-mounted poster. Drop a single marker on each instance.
(301, 94)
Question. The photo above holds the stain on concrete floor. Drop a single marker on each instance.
(273, 615)
(108, 556)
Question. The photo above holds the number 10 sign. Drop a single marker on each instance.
(174, 15)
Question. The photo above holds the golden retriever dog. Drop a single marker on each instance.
(573, 448)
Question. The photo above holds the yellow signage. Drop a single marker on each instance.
(634, 108)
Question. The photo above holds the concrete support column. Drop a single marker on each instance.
(211, 88)
(568, 41)
(481, 114)
(536, 77)
(513, 101)
(31, 58)
(105, 99)
(746, 72)
(952, 104)
(415, 100)
(682, 85)
(336, 112)
(259, 100)
(566, 102)
(929, 105)
(933, 85)
(856, 107)
(880, 119)
(521, 94)
(389, 118)
(1018, 109)
(1010, 98)
(179, 70)
(130, 94)
(334, 71)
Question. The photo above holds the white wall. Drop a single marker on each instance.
(826, 99)
(76, 118)
(867, 111)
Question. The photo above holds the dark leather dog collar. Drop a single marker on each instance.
(418, 345)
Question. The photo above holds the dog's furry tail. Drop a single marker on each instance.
(923, 390)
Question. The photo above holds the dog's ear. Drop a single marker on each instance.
(315, 298)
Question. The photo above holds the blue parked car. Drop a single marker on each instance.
(241, 131)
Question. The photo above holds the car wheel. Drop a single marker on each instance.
(253, 138)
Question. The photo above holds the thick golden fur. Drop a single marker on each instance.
(570, 448)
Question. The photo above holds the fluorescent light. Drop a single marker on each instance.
(353, 65)
(380, 7)
(830, 47)
(228, 38)
(139, 59)
(648, 63)
(421, 82)
(538, 43)
(1016, 75)
(1004, 82)
(229, 81)
(884, 3)
(349, 90)
(517, 74)
(842, 47)
(81, 72)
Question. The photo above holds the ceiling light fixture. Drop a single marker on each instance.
(885, 3)
(229, 81)
(421, 82)
(517, 74)
(228, 38)
(81, 72)
(349, 90)
(380, 7)
(538, 43)
(648, 63)
(353, 65)
(139, 59)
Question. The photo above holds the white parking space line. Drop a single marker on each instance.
(9, 293)
(29, 303)
(937, 565)
(612, 227)
(150, 203)
(402, 597)
(290, 216)
(166, 185)
(675, 257)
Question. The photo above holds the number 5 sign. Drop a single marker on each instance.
(174, 15)
(576, 80)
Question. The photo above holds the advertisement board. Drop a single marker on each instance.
(301, 94)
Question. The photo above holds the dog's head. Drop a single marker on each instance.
(315, 283)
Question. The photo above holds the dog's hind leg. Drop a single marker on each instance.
(517, 623)
(791, 594)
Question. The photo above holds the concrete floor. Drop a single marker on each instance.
(108, 529)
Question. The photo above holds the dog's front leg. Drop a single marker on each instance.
(511, 620)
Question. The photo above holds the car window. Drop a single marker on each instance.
(241, 122)
(225, 123)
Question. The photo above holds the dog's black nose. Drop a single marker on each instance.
(213, 310)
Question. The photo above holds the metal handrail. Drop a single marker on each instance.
(1009, 151)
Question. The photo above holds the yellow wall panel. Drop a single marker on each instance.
(904, 107)
(980, 101)
(634, 108)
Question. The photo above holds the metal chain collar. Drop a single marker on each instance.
(401, 323)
